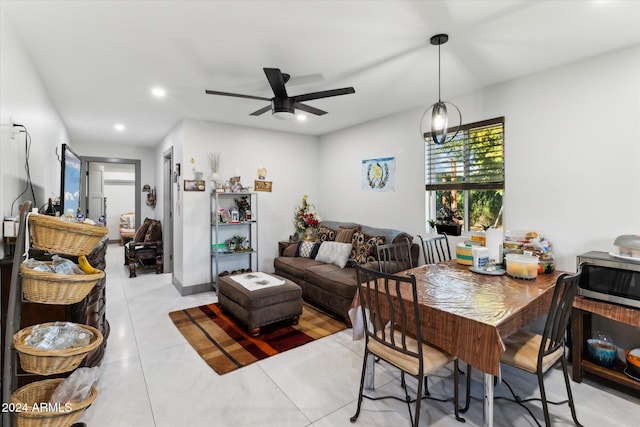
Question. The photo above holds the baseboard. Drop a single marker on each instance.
(191, 290)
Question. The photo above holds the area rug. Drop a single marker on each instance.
(226, 345)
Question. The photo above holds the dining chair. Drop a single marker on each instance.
(390, 308)
(395, 257)
(536, 354)
(435, 249)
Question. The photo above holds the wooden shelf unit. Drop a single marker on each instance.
(583, 308)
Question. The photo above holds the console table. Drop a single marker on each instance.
(583, 308)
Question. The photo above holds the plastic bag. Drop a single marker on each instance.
(59, 336)
(76, 387)
(64, 266)
(36, 265)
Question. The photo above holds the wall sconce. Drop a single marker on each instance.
(151, 195)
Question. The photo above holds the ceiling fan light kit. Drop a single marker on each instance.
(282, 105)
(439, 112)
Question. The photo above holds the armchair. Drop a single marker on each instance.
(127, 227)
(145, 250)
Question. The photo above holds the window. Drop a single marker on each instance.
(467, 174)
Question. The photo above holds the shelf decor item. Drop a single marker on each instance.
(49, 362)
(55, 235)
(36, 393)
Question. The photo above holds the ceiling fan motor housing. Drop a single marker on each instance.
(282, 105)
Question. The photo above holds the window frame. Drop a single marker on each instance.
(468, 184)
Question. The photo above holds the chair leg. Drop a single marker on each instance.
(456, 376)
(569, 394)
(416, 419)
(132, 268)
(543, 397)
(364, 370)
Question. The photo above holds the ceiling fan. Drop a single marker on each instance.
(282, 105)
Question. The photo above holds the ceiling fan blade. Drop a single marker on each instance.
(309, 109)
(237, 95)
(276, 81)
(261, 111)
(324, 94)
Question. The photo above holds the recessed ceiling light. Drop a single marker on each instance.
(119, 127)
(301, 117)
(158, 92)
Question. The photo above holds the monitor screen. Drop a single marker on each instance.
(70, 181)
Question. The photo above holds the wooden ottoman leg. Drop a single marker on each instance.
(254, 332)
(294, 320)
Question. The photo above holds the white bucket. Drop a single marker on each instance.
(480, 256)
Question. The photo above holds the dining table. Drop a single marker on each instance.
(469, 314)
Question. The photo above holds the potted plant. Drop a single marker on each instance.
(449, 221)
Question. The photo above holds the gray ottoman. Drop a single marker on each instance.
(260, 307)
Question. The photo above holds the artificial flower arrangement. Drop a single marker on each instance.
(305, 216)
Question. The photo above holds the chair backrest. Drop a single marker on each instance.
(559, 313)
(394, 257)
(390, 309)
(435, 249)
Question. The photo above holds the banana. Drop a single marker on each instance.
(84, 265)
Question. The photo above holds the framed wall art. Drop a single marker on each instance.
(259, 185)
(194, 185)
(378, 174)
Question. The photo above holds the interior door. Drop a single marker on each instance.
(95, 191)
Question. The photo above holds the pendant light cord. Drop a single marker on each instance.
(439, 62)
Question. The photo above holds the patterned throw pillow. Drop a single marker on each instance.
(308, 249)
(154, 231)
(364, 247)
(325, 234)
(142, 231)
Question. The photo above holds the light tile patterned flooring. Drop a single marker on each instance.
(150, 376)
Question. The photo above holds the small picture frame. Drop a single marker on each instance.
(235, 216)
(194, 185)
(262, 185)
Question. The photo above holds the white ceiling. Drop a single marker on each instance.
(99, 59)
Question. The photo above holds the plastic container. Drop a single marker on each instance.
(628, 246)
(464, 255)
(602, 352)
(522, 266)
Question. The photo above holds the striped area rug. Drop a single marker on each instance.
(226, 346)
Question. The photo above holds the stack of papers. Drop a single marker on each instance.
(258, 280)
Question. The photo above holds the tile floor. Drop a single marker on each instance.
(150, 376)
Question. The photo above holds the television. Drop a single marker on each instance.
(70, 180)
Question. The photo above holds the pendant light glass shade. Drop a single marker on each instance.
(439, 113)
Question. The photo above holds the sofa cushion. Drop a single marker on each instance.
(332, 279)
(325, 234)
(294, 266)
(291, 250)
(308, 249)
(364, 247)
(334, 253)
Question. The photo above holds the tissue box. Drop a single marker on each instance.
(10, 228)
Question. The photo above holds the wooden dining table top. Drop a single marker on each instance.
(469, 314)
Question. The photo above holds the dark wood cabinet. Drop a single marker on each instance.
(583, 308)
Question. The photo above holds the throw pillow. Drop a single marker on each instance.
(325, 234)
(291, 250)
(334, 253)
(365, 247)
(308, 249)
(142, 231)
(154, 232)
(345, 235)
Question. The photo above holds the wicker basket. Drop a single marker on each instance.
(53, 288)
(49, 362)
(52, 234)
(30, 395)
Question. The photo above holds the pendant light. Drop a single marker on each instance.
(439, 113)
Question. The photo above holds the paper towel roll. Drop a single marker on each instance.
(495, 237)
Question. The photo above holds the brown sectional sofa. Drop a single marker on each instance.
(327, 285)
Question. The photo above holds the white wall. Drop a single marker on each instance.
(572, 155)
(292, 164)
(119, 189)
(26, 101)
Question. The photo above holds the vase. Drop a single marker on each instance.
(309, 235)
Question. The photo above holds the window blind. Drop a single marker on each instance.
(474, 160)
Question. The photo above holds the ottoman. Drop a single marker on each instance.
(260, 307)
